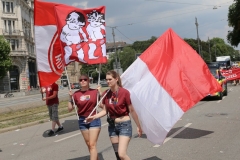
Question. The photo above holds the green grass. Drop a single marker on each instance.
(20, 117)
(16, 118)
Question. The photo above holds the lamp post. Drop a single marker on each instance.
(89, 71)
(115, 49)
(196, 23)
(116, 56)
(215, 52)
(209, 50)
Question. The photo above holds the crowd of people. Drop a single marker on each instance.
(115, 104)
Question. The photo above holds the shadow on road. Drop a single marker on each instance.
(68, 125)
(189, 133)
(152, 158)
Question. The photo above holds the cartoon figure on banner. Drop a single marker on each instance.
(94, 30)
(71, 36)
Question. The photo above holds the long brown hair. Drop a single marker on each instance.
(115, 75)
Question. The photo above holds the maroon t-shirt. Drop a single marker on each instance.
(49, 92)
(121, 98)
(86, 101)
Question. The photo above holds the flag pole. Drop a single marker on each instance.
(98, 102)
(74, 104)
(99, 74)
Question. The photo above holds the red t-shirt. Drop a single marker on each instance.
(86, 101)
(121, 98)
(49, 92)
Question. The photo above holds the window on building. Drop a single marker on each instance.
(3, 3)
(13, 26)
(14, 43)
(8, 7)
(11, 7)
(5, 25)
(9, 27)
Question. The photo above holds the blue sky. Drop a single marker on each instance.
(140, 19)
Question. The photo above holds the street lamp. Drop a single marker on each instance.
(196, 23)
(209, 50)
(215, 52)
(89, 71)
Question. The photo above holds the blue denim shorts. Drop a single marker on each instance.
(121, 129)
(96, 123)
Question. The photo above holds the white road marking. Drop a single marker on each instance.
(74, 135)
(67, 137)
(173, 135)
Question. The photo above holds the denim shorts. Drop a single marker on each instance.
(121, 129)
(96, 123)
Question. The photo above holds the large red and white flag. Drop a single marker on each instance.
(165, 81)
(81, 37)
(82, 34)
(50, 60)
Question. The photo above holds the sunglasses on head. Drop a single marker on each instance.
(80, 80)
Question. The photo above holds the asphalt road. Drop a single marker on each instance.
(208, 131)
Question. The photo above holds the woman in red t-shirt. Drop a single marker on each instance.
(86, 100)
(117, 105)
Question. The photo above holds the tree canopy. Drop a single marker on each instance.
(213, 48)
(234, 22)
(5, 60)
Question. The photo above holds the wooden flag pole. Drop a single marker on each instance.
(74, 104)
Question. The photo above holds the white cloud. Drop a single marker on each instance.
(141, 19)
(83, 4)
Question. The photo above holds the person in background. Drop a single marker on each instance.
(86, 100)
(117, 106)
(52, 103)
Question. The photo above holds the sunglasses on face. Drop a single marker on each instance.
(80, 80)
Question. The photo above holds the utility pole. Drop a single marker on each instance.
(196, 23)
(115, 49)
(117, 61)
(215, 51)
(209, 50)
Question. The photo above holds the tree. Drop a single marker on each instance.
(127, 57)
(5, 60)
(141, 46)
(234, 22)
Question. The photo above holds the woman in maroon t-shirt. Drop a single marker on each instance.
(117, 105)
(86, 100)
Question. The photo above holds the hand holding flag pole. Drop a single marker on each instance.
(98, 102)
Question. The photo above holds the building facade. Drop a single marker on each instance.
(17, 28)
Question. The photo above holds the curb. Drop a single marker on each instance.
(32, 123)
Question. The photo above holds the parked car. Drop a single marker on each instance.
(214, 68)
(103, 83)
(75, 86)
